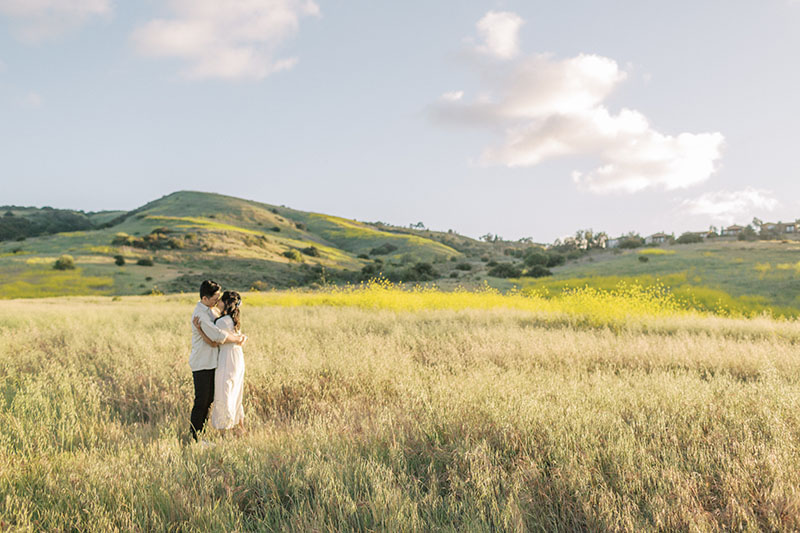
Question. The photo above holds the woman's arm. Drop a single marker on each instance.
(230, 338)
(206, 338)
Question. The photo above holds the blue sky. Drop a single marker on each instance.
(516, 118)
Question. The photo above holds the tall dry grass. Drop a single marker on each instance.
(367, 418)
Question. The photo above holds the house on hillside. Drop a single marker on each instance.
(614, 243)
(657, 238)
(780, 228)
(732, 230)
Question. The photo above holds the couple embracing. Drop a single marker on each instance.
(217, 361)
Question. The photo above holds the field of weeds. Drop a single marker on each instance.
(378, 409)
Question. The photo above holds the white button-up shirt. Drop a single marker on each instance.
(203, 356)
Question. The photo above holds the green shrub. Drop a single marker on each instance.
(122, 239)
(538, 271)
(119, 260)
(631, 241)
(748, 234)
(175, 244)
(293, 255)
(420, 272)
(643, 259)
(464, 266)
(383, 249)
(537, 257)
(65, 262)
(145, 262)
(491, 263)
(453, 274)
(276, 229)
(505, 270)
(300, 226)
(370, 271)
(689, 238)
(311, 251)
(555, 259)
(362, 256)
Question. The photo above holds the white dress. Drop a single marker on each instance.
(228, 382)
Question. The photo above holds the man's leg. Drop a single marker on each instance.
(203, 396)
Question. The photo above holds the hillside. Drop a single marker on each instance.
(719, 274)
(248, 245)
(189, 236)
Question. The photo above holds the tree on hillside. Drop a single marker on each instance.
(631, 240)
(689, 238)
(748, 234)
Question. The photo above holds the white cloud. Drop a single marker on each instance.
(453, 96)
(549, 108)
(500, 33)
(43, 19)
(32, 100)
(237, 39)
(728, 206)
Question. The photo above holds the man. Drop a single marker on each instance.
(203, 359)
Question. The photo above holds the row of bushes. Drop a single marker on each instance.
(156, 240)
(67, 262)
(509, 270)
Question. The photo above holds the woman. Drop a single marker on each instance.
(229, 377)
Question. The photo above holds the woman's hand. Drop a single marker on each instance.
(197, 324)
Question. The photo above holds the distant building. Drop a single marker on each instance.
(779, 227)
(657, 238)
(614, 243)
(732, 230)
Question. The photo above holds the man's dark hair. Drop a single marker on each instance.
(209, 288)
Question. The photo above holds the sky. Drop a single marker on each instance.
(517, 118)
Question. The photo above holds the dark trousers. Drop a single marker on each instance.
(203, 396)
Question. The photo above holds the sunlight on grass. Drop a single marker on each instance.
(656, 251)
(46, 282)
(197, 222)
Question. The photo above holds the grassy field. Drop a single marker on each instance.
(378, 409)
(717, 275)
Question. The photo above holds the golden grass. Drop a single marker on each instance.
(379, 414)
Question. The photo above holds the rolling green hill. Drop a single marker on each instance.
(171, 244)
(189, 236)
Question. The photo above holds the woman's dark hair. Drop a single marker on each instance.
(232, 301)
(209, 288)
